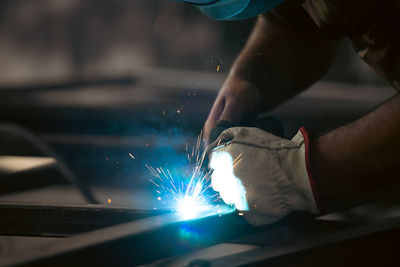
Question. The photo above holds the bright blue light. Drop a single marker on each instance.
(224, 180)
(189, 207)
(187, 189)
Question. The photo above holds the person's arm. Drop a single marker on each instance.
(274, 177)
(284, 54)
(359, 157)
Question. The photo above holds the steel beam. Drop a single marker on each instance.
(61, 221)
(138, 242)
(168, 235)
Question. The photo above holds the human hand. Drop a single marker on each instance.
(262, 174)
(238, 100)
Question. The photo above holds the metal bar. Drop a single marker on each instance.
(154, 238)
(61, 221)
(134, 243)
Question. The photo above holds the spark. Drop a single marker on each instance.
(237, 160)
(189, 194)
(131, 156)
(109, 200)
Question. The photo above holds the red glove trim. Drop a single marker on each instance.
(308, 166)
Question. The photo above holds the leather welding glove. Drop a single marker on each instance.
(272, 173)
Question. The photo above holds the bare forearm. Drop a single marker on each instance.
(282, 57)
(359, 157)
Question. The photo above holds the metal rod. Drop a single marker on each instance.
(61, 221)
(134, 243)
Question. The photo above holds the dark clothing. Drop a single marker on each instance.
(372, 25)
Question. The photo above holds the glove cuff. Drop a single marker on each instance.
(297, 186)
(306, 138)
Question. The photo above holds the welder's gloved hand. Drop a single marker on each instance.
(272, 171)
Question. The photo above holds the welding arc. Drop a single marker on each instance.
(26, 135)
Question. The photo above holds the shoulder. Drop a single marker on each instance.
(292, 14)
(336, 17)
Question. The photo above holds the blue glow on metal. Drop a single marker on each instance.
(188, 195)
(188, 191)
(189, 207)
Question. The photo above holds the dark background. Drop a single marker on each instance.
(57, 40)
(98, 79)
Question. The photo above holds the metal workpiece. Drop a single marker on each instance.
(317, 243)
(64, 220)
(138, 242)
(171, 240)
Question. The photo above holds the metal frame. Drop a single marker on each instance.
(138, 242)
(64, 220)
(158, 236)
